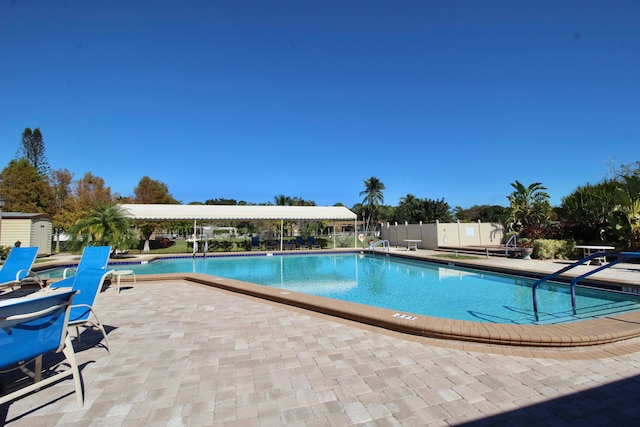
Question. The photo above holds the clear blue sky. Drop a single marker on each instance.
(251, 99)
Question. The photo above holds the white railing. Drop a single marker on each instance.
(515, 244)
(383, 243)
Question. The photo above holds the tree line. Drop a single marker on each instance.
(606, 211)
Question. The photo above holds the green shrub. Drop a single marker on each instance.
(244, 245)
(225, 245)
(553, 249)
(4, 252)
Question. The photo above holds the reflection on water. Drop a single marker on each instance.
(406, 286)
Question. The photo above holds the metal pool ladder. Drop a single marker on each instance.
(383, 243)
(619, 257)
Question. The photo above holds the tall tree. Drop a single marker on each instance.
(530, 207)
(436, 210)
(373, 197)
(32, 149)
(626, 214)
(587, 210)
(61, 180)
(410, 209)
(61, 193)
(88, 193)
(150, 191)
(282, 200)
(91, 190)
(23, 188)
(413, 210)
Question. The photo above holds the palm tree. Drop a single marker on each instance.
(106, 224)
(410, 209)
(374, 197)
(530, 205)
(282, 200)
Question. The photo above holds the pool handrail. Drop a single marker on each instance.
(383, 243)
(619, 257)
(515, 244)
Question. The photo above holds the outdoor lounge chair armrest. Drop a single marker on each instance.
(64, 272)
(21, 274)
(35, 277)
(32, 314)
(64, 283)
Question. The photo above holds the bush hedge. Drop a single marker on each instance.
(553, 249)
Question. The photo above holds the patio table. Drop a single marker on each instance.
(592, 249)
(119, 273)
(412, 244)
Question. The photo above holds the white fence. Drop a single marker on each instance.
(433, 235)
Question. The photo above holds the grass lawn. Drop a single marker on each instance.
(182, 247)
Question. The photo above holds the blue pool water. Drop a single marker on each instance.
(406, 286)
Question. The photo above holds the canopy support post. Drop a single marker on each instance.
(355, 233)
(195, 239)
(281, 232)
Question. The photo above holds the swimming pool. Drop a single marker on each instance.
(407, 286)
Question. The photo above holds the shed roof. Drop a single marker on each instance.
(24, 215)
(163, 212)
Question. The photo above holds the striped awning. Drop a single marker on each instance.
(161, 212)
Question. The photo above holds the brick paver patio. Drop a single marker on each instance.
(184, 354)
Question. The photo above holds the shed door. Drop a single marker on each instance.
(41, 236)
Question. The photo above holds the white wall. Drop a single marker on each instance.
(433, 235)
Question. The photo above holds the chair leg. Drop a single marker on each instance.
(38, 369)
(71, 357)
(73, 370)
(78, 337)
(36, 374)
(104, 333)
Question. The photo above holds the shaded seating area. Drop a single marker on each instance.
(271, 245)
(87, 282)
(18, 266)
(312, 243)
(300, 243)
(31, 327)
(92, 257)
(255, 243)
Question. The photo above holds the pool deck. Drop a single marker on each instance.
(190, 354)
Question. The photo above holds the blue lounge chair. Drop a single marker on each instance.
(300, 243)
(92, 257)
(271, 245)
(88, 282)
(312, 243)
(255, 243)
(31, 327)
(18, 265)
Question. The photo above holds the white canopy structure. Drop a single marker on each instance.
(160, 212)
(166, 212)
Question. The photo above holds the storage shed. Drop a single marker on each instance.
(31, 229)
